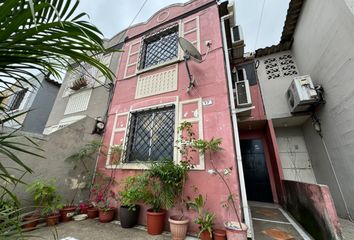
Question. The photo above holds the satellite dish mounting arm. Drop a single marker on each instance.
(190, 76)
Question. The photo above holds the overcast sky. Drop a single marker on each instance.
(112, 16)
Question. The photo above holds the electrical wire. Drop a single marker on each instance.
(259, 25)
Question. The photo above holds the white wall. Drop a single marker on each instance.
(294, 156)
(324, 48)
(274, 89)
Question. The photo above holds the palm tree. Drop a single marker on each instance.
(39, 36)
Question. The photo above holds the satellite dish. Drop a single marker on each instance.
(189, 52)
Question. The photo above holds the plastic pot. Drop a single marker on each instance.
(66, 213)
(92, 213)
(178, 227)
(106, 216)
(128, 218)
(236, 232)
(205, 235)
(53, 219)
(219, 234)
(31, 222)
(155, 221)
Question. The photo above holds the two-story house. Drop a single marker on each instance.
(85, 92)
(154, 95)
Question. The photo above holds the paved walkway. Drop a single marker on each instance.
(271, 222)
(93, 229)
(347, 229)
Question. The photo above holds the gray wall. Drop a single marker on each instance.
(40, 109)
(324, 48)
(99, 97)
(274, 90)
(57, 147)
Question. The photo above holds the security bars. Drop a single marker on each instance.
(159, 47)
(151, 135)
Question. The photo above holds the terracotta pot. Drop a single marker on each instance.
(32, 221)
(92, 212)
(53, 219)
(128, 218)
(178, 227)
(219, 234)
(106, 216)
(237, 233)
(205, 235)
(155, 221)
(66, 213)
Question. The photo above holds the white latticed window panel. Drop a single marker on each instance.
(78, 102)
(157, 83)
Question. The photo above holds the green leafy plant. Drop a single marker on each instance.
(102, 196)
(45, 195)
(163, 184)
(212, 146)
(205, 219)
(131, 192)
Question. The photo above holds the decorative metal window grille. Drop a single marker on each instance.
(17, 99)
(151, 135)
(159, 47)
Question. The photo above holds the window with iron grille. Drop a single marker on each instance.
(159, 48)
(17, 99)
(151, 135)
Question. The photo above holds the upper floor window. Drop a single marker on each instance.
(16, 99)
(159, 48)
(151, 135)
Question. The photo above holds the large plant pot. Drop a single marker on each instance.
(106, 216)
(219, 234)
(128, 218)
(205, 235)
(236, 232)
(92, 213)
(66, 213)
(53, 219)
(31, 222)
(155, 221)
(178, 227)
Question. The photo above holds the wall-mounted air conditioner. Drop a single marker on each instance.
(243, 94)
(238, 46)
(301, 94)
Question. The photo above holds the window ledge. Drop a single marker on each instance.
(175, 60)
(139, 166)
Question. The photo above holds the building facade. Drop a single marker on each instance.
(33, 103)
(152, 98)
(85, 92)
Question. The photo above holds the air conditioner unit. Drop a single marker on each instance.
(301, 94)
(238, 46)
(243, 94)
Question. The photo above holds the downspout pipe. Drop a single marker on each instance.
(236, 136)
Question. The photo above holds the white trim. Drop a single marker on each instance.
(303, 234)
(199, 120)
(130, 53)
(195, 29)
(136, 165)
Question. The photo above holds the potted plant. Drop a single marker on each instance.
(164, 183)
(51, 210)
(80, 162)
(105, 207)
(45, 195)
(234, 229)
(129, 196)
(205, 219)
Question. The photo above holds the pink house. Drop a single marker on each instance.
(151, 100)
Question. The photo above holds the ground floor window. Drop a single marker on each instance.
(151, 135)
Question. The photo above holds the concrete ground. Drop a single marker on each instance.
(92, 229)
(347, 229)
(271, 222)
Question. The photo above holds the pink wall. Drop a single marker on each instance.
(211, 85)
